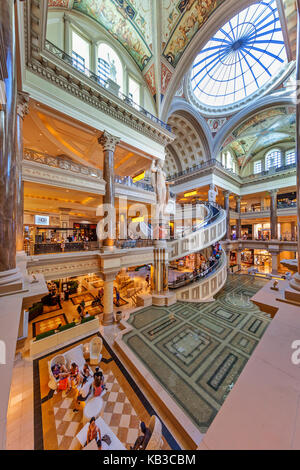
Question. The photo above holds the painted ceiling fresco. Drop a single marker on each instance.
(181, 21)
(128, 22)
(59, 3)
(265, 129)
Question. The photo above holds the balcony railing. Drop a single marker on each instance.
(65, 164)
(216, 163)
(59, 162)
(127, 180)
(93, 76)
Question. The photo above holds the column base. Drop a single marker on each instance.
(295, 283)
(108, 319)
(161, 300)
(107, 249)
(11, 282)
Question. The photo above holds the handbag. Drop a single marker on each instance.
(106, 439)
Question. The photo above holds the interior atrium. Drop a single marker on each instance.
(149, 225)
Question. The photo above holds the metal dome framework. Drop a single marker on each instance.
(241, 61)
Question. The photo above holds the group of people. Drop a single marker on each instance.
(58, 297)
(71, 378)
(206, 264)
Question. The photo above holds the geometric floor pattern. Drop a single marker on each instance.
(197, 351)
(56, 425)
(118, 414)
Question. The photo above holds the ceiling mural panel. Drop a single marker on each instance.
(262, 131)
(166, 76)
(259, 120)
(128, 22)
(150, 79)
(59, 3)
(181, 21)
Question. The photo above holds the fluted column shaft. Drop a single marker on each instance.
(108, 300)
(238, 221)
(7, 141)
(227, 210)
(108, 143)
(160, 271)
(22, 110)
(273, 214)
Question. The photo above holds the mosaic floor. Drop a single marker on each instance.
(56, 425)
(197, 351)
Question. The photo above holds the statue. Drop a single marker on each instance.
(212, 193)
(161, 187)
(112, 69)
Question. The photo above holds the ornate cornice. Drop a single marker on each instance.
(108, 141)
(54, 70)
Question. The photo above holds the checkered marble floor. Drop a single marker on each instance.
(118, 413)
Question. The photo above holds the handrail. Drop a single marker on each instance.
(53, 49)
(216, 163)
(195, 277)
(67, 164)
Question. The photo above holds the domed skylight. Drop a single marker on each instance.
(241, 58)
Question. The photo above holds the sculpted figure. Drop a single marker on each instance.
(161, 187)
(212, 193)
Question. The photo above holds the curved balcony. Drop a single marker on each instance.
(210, 284)
(201, 236)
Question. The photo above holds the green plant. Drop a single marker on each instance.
(87, 319)
(67, 326)
(45, 335)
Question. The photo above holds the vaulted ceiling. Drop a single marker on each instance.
(189, 148)
(132, 23)
(263, 130)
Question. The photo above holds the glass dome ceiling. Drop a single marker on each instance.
(241, 58)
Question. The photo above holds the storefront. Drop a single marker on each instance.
(263, 231)
(287, 200)
(247, 257)
(84, 231)
(263, 259)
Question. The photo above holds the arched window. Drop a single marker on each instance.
(228, 161)
(80, 53)
(109, 65)
(290, 157)
(273, 159)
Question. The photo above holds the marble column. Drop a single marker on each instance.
(227, 210)
(22, 110)
(108, 299)
(108, 143)
(64, 219)
(274, 262)
(67, 35)
(273, 214)
(10, 279)
(239, 259)
(160, 268)
(293, 231)
(238, 221)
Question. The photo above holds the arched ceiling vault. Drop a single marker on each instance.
(179, 27)
(260, 131)
(190, 146)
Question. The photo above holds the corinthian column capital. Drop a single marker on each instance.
(22, 104)
(108, 141)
